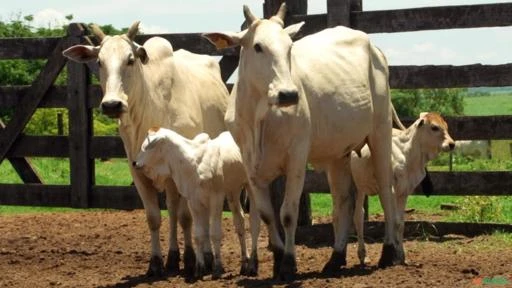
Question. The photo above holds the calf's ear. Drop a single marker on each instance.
(223, 40)
(82, 53)
(141, 53)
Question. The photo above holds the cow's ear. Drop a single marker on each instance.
(423, 114)
(421, 123)
(225, 39)
(82, 53)
(141, 53)
(294, 29)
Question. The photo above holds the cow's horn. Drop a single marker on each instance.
(281, 13)
(96, 30)
(249, 17)
(133, 30)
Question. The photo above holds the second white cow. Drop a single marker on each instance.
(411, 150)
(204, 170)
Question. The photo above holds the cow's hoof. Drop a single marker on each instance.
(208, 262)
(337, 260)
(252, 266)
(172, 266)
(189, 262)
(156, 267)
(288, 269)
(217, 271)
(200, 271)
(278, 259)
(391, 256)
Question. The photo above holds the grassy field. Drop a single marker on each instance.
(115, 172)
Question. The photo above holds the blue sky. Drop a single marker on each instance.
(456, 47)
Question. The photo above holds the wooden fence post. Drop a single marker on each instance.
(80, 126)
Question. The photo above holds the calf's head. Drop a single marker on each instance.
(152, 157)
(433, 133)
(265, 56)
(117, 57)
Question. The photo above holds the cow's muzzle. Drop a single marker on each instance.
(112, 108)
(287, 98)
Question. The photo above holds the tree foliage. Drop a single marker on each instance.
(411, 102)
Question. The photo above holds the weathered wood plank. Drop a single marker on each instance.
(38, 89)
(35, 195)
(338, 13)
(418, 19)
(23, 167)
(445, 183)
(433, 18)
(117, 197)
(448, 76)
(40, 146)
(228, 65)
(319, 235)
(107, 147)
(80, 127)
(27, 48)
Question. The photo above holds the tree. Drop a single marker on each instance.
(411, 102)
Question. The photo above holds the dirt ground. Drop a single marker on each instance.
(111, 249)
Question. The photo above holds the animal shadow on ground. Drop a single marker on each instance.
(343, 272)
(132, 281)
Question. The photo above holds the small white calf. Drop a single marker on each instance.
(473, 148)
(204, 170)
(411, 150)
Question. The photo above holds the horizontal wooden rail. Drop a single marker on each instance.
(445, 183)
(418, 19)
(448, 76)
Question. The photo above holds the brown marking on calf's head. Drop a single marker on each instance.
(435, 133)
(153, 129)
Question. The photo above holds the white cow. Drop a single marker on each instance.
(313, 100)
(473, 148)
(151, 85)
(411, 150)
(204, 170)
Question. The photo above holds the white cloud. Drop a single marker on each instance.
(49, 18)
(153, 29)
(423, 47)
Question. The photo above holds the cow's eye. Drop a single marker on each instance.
(435, 128)
(257, 48)
(131, 60)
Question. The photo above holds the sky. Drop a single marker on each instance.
(455, 46)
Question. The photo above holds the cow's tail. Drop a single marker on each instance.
(396, 119)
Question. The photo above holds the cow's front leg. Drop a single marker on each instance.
(254, 218)
(339, 177)
(289, 214)
(264, 206)
(216, 205)
(149, 197)
(233, 198)
(359, 225)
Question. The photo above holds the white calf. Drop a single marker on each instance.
(204, 170)
(411, 150)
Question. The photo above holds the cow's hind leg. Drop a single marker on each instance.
(216, 205)
(359, 225)
(233, 198)
(172, 200)
(200, 216)
(380, 147)
(339, 177)
(185, 220)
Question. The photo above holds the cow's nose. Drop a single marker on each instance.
(111, 108)
(134, 164)
(288, 97)
(452, 145)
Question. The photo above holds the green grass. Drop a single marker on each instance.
(496, 104)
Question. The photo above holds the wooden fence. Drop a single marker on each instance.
(79, 97)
